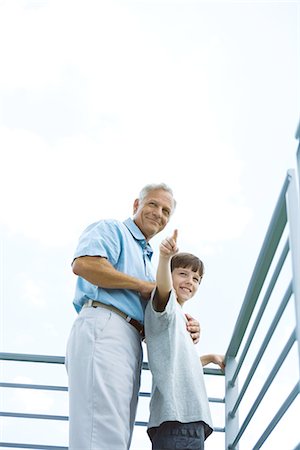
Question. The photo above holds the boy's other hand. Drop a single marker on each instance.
(193, 327)
(219, 360)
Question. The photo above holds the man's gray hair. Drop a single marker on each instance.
(154, 187)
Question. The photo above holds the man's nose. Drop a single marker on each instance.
(158, 211)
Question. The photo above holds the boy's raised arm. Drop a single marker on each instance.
(167, 249)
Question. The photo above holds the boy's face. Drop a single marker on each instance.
(185, 283)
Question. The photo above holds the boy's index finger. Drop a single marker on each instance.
(175, 235)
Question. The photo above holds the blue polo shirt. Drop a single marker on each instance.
(126, 248)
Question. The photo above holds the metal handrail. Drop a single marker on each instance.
(263, 347)
(287, 212)
(49, 359)
(265, 258)
(261, 309)
(284, 407)
(265, 387)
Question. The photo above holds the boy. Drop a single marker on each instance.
(179, 409)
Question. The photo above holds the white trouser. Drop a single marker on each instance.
(103, 361)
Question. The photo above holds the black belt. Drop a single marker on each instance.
(135, 323)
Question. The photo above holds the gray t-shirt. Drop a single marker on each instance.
(178, 389)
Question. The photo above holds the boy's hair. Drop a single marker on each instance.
(187, 260)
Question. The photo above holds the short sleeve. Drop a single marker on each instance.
(103, 239)
(155, 321)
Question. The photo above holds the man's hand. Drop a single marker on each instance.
(193, 327)
(146, 288)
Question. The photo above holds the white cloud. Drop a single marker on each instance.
(33, 293)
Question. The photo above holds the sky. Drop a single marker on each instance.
(99, 98)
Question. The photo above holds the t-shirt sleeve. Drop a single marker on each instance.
(156, 320)
(101, 239)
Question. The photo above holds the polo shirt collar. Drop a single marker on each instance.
(138, 236)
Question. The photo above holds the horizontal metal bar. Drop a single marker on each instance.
(32, 446)
(206, 370)
(33, 416)
(265, 387)
(23, 357)
(216, 400)
(144, 394)
(263, 347)
(212, 371)
(141, 424)
(284, 407)
(49, 388)
(262, 308)
(219, 429)
(34, 386)
(65, 389)
(267, 252)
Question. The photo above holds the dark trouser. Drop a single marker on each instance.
(178, 436)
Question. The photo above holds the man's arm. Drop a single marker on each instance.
(100, 272)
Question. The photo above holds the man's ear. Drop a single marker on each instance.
(135, 205)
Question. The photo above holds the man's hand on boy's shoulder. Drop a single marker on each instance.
(193, 327)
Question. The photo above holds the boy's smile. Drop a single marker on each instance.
(185, 283)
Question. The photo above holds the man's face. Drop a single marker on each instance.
(152, 214)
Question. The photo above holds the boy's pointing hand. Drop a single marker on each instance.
(168, 247)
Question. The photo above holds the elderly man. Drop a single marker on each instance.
(104, 352)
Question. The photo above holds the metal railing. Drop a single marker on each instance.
(278, 264)
(60, 360)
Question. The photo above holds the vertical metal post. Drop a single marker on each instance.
(231, 395)
(293, 212)
(298, 155)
